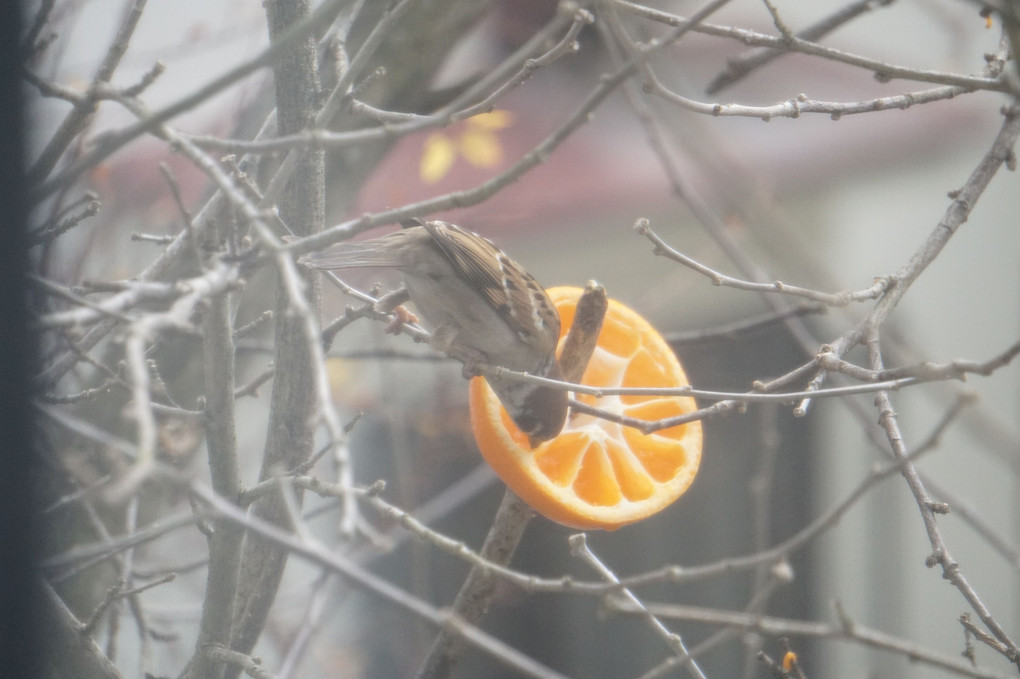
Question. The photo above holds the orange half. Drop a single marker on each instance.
(598, 474)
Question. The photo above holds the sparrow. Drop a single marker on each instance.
(480, 305)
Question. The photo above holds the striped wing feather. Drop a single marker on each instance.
(512, 292)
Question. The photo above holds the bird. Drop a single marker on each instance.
(480, 305)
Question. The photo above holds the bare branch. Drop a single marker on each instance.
(886, 70)
(79, 117)
(579, 547)
(832, 299)
(113, 141)
(738, 68)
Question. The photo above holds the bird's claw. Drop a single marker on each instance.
(401, 317)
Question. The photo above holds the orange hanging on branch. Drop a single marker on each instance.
(596, 473)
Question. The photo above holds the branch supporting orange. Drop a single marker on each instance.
(596, 473)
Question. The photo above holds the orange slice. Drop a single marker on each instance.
(598, 474)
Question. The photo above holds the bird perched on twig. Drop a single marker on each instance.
(481, 306)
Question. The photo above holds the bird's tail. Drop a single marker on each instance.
(350, 255)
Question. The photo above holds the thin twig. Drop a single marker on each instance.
(494, 84)
(756, 39)
(741, 66)
(81, 114)
(962, 202)
(579, 547)
(852, 633)
(838, 299)
(113, 141)
(49, 233)
(940, 554)
(377, 586)
(573, 122)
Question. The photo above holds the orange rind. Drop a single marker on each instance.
(597, 473)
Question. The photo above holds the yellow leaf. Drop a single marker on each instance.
(437, 158)
(493, 120)
(480, 148)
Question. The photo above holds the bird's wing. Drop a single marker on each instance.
(517, 297)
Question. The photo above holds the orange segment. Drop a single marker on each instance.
(630, 473)
(595, 483)
(561, 459)
(598, 474)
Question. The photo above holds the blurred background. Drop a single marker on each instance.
(814, 201)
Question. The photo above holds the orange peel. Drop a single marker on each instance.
(597, 473)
